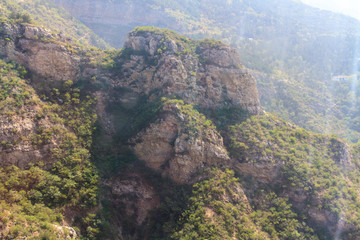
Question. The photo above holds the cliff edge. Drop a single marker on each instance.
(206, 73)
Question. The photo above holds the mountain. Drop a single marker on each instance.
(290, 45)
(163, 139)
(48, 15)
(47, 178)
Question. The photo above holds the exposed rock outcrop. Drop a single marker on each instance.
(65, 232)
(180, 143)
(40, 51)
(131, 194)
(28, 129)
(206, 73)
(17, 138)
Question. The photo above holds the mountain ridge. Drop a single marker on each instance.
(114, 182)
(277, 40)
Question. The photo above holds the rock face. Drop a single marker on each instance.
(40, 51)
(131, 194)
(207, 73)
(16, 145)
(28, 132)
(180, 143)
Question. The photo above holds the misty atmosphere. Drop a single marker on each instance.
(156, 120)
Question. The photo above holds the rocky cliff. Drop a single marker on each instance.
(156, 142)
(206, 73)
(38, 137)
(23, 121)
(41, 51)
(180, 143)
(42, 58)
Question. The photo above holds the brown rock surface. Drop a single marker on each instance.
(131, 193)
(40, 51)
(17, 139)
(210, 76)
(177, 150)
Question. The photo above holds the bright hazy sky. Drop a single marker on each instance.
(348, 7)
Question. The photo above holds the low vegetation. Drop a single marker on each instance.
(36, 196)
(47, 14)
(218, 209)
(318, 167)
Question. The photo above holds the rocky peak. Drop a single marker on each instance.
(207, 73)
(218, 54)
(151, 41)
(40, 50)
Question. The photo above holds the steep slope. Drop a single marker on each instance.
(170, 108)
(290, 45)
(317, 173)
(219, 209)
(51, 146)
(284, 170)
(45, 175)
(206, 73)
(46, 14)
(285, 189)
(48, 184)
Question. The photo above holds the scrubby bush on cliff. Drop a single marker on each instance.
(218, 209)
(20, 18)
(30, 193)
(319, 167)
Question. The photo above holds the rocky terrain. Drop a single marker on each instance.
(278, 41)
(174, 115)
(206, 73)
(46, 60)
(41, 147)
(41, 51)
(180, 143)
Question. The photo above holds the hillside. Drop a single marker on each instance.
(163, 139)
(46, 178)
(48, 15)
(290, 46)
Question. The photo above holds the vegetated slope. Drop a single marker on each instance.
(49, 186)
(219, 209)
(293, 183)
(48, 15)
(319, 174)
(291, 46)
(45, 175)
(167, 105)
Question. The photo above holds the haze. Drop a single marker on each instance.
(347, 7)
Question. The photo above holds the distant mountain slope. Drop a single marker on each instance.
(292, 46)
(46, 14)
